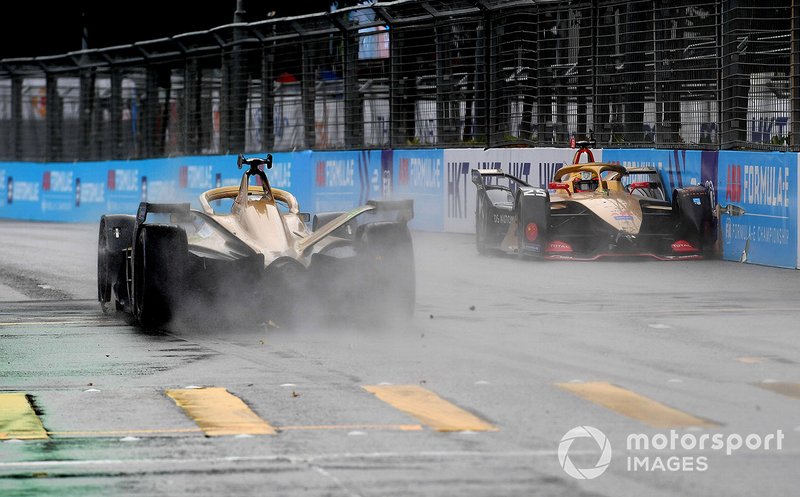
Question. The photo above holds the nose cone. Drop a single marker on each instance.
(618, 209)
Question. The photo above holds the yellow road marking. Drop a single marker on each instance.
(350, 427)
(633, 405)
(430, 409)
(115, 433)
(218, 412)
(18, 419)
(788, 389)
(750, 360)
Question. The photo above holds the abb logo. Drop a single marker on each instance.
(46, 180)
(112, 179)
(402, 175)
(320, 173)
(183, 176)
(733, 187)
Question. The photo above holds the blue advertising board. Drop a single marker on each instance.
(763, 185)
(321, 181)
(345, 179)
(419, 175)
(83, 191)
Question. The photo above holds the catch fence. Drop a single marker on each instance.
(682, 74)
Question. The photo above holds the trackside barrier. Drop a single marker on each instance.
(321, 181)
(764, 185)
(756, 192)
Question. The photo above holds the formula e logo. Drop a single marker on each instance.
(584, 473)
(733, 188)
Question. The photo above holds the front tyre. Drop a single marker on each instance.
(480, 229)
(114, 238)
(694, 219)
(285, 291)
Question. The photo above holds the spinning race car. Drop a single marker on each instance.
(590, 211)
(259, 259)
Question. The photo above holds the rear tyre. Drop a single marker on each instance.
(160, 259)
(285, 291)
(386, 261)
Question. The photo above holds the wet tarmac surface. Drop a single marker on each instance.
(531, 349)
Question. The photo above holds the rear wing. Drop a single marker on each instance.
(633, 174)
(147, 207)
(638, 176)
(478, 176)
(399, 211)
(642, 170)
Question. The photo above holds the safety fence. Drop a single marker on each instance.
(685, 74)
(757, 192)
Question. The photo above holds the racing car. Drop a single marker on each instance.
(258, 259)
(592, 210)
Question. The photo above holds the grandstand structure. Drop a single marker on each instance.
(681, 74)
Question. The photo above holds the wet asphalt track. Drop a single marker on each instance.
(711, 341)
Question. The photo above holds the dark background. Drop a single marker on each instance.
(29, 28)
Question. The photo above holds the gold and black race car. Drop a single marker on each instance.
(592, 210)
(258, 259)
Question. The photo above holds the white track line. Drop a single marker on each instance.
(289, 458)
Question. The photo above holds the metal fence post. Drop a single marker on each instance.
(115, 114)
(308, 94)
(53, 120)
(238, 82)
(267, 98)
(795, 75)
(443, 81)
(86, 110)
(190, 112)
(225, 104)
(149, 114)
(477, 130)
(16, 117)
(393, 83)
(633, 129)
(397, 127)
(353, 103)
(490, 90)
(734, 84)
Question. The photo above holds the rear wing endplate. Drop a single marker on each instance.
(478, 175)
